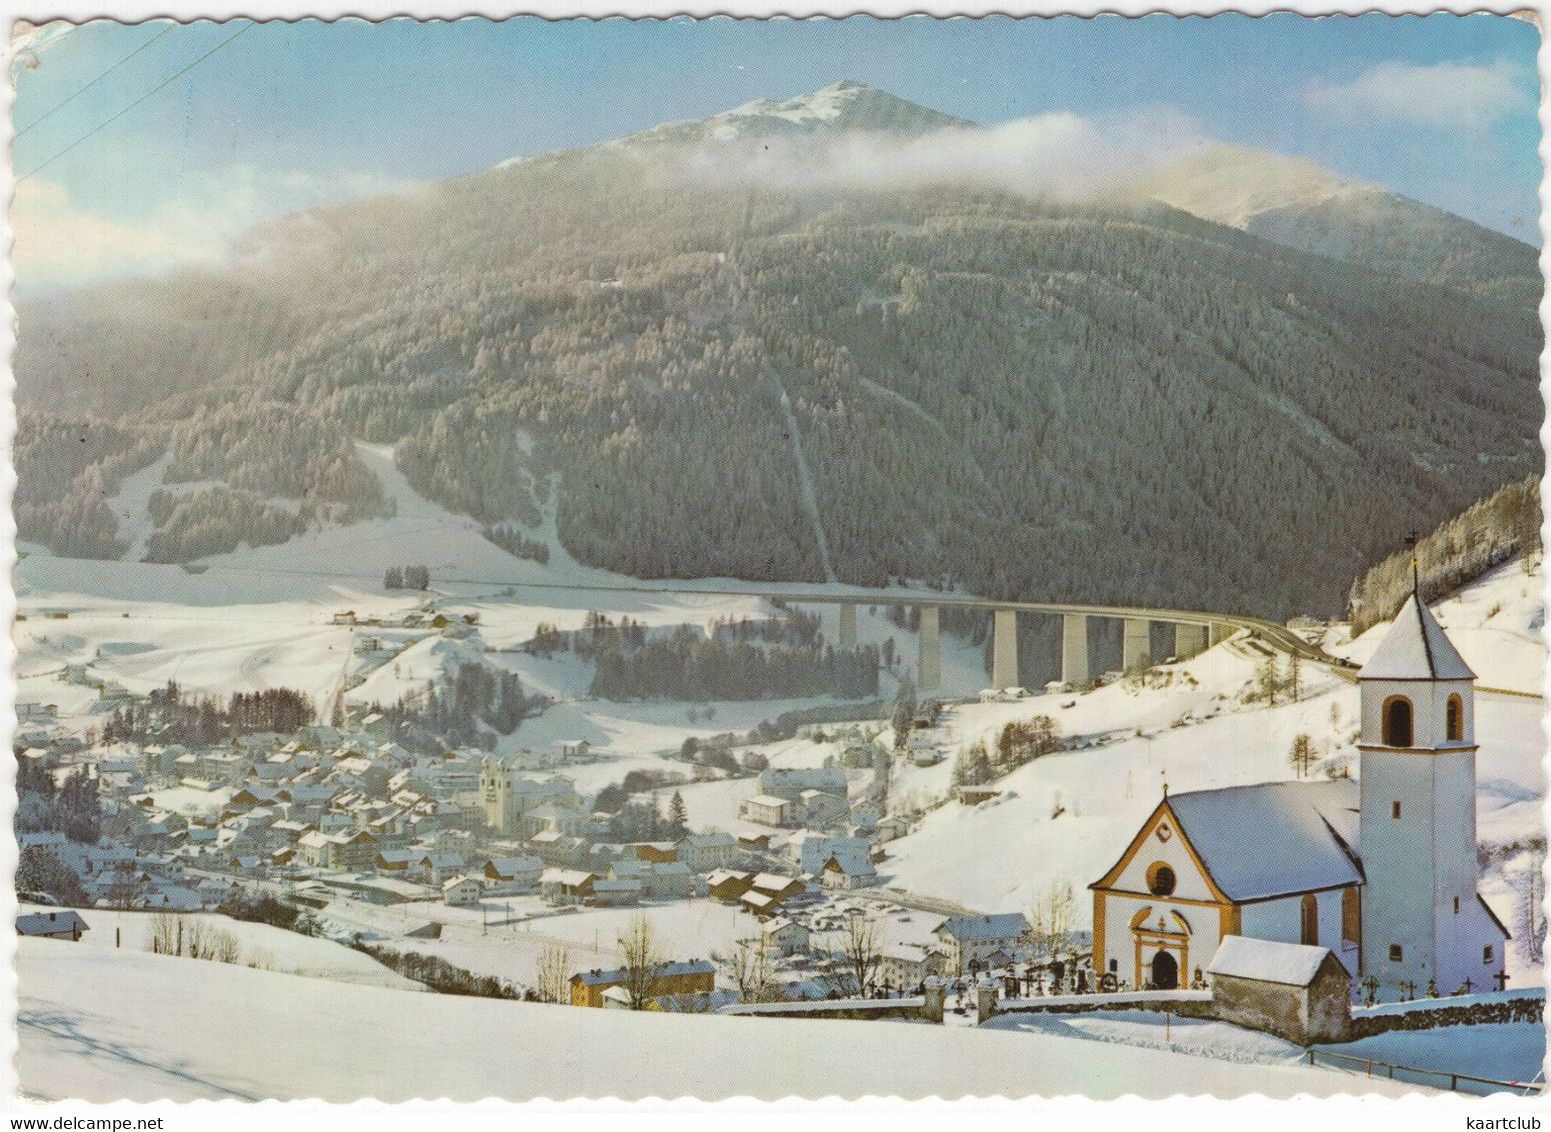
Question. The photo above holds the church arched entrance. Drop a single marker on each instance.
(1165, 971)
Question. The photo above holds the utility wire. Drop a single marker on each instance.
(60, 106)
(154, 90)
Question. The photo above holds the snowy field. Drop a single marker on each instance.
(99, 1025)
(1498, 1052)
(262, 946)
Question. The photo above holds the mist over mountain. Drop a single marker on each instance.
(1294, 202)
(836, 336)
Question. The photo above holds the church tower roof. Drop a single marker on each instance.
(1416, 648)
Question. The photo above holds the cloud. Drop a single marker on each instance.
(1046, 154)
(1445, 95)
(61, 244)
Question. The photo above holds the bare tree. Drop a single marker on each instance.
(861, 951)
(1530, 913)
(751, 968)
(554, 973)
(641, 956)
(1051, 917)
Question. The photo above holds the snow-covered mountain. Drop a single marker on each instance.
(1299, 204)
(844, 107)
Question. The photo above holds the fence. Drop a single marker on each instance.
(1435, 1078)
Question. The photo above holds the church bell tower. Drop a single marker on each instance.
(1422, 922)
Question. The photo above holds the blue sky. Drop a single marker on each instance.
(1441, 108)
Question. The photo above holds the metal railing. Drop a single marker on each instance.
(1416, 1076)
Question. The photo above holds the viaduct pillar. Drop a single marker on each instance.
(1221, 632)
(1136, 644)
(1074, 649)
(1004, 649)
(1188, 640)
(847, 626)
(929, 667)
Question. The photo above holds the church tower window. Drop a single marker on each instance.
(1455, 720)
(1160, 879)
(1310, 920)
(1397, 722)
(1396, 955)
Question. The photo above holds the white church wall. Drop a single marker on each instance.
(1189, 884)
(1278, 920)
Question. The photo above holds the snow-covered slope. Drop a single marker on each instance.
(262, 947)
(100, 1025)
(1193, 731)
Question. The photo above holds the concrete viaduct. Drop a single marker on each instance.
(1194, 630)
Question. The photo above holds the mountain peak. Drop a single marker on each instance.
(841, 107)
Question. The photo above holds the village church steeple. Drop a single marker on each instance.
(1422, 922)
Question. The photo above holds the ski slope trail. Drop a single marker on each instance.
(810, 497)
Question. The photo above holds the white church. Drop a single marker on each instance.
(1381, 871)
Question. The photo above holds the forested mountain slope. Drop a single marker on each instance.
(1102, 401)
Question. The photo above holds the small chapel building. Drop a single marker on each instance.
(1381, 871)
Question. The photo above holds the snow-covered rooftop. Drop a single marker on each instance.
(1416, 648)
(1274, 838)
(1241, 957)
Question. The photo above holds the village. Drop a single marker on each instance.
(335, 819)
(750, 888)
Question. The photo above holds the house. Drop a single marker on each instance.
(672, 881)
(571, 750)
(555, 848)
(52, 925)
(815, 851)
(698, 976)
(847, 869)
(765, 809)
(784, 937)
(972, 939)
(820, 809)
(1294, 991)
(351, 851)
(462, 891)
(1382, 874)
(790, 783)
(728, 885)
(616, 893)
(566, 886)
(904, 965)
(757, 842)
(859, 756)
(437, 867)
(974, 795)
(702, 852)
(759, 904)
(507, 875)
(552, 818)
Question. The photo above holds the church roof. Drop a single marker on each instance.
(1273, 839)
(1416, 648)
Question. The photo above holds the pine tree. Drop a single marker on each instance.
(678, 816)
